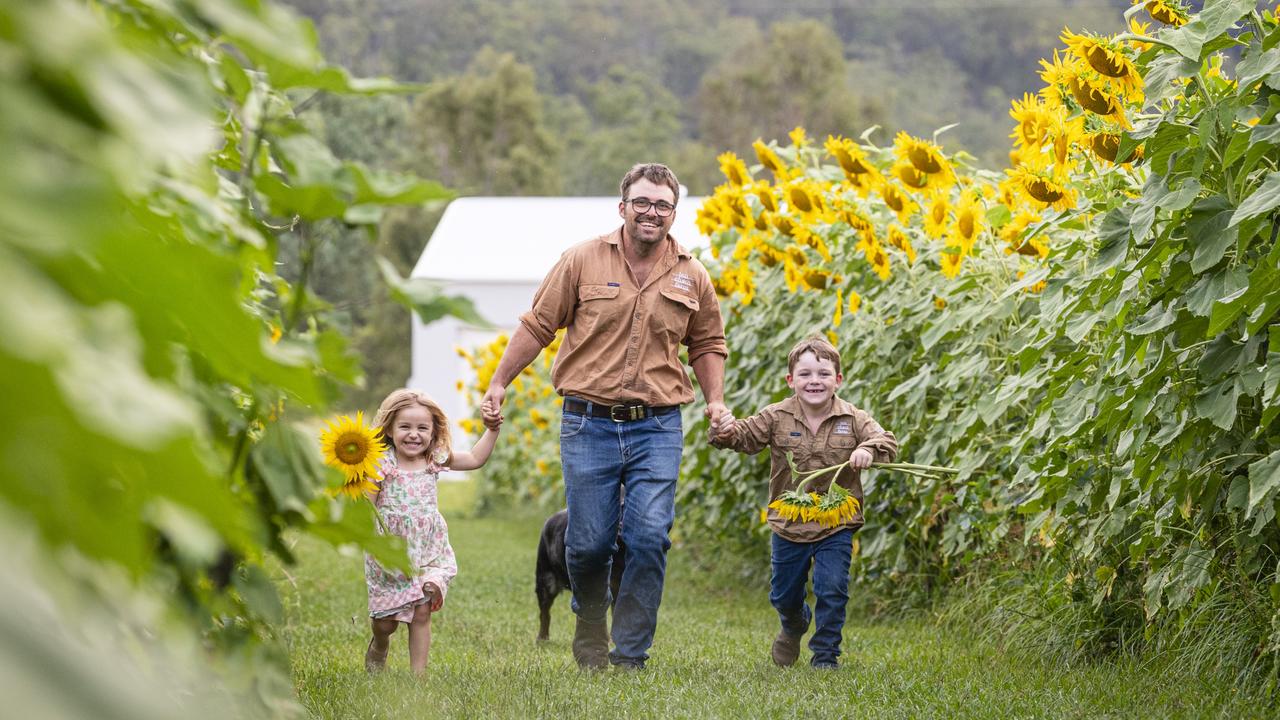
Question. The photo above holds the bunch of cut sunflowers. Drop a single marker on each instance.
(837, 505)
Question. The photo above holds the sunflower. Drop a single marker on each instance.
(770, 159)
(935, 218)
(1169, 12)
(858, 170)
(899, 202)
(799, 140)
(899, 239)
(1107, 58)
(355, 449)
(939, 302)
(855, 302)
(968, 223)
(1095, 98)
(734, 169)
(879, 260)
(1044, 189)
(951, 262)
(804, 196)
(838, 315)
(1012, 232)
(764, 193)
(910, 176)
(926, 159)
(1034, 118)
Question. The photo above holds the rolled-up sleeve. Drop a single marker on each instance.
(882, 443)
(706, 329)
(750, 435)
(555, 300)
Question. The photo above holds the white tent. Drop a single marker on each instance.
(496, 250)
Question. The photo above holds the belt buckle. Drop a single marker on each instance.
(625, 413)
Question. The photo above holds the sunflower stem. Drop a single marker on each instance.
(1127, 37)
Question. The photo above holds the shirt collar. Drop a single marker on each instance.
(791, 406)
(615, 238)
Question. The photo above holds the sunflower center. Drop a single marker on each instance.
(1091, 98)
(938, 214)
(351, 449)
(1105, 145)
(965, 223)
(913, 176)
(800, 199)
(894, 201)
(923, 160)
(1104, 62)
(1043, 190)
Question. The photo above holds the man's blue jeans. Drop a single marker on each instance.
(830, 558)
(601, 460)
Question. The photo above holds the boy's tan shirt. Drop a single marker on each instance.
(623, 341)
(781, 428)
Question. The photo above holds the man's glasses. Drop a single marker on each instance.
(642, 205)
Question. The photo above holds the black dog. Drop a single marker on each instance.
(551, 575)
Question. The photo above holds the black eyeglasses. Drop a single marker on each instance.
(642, 205)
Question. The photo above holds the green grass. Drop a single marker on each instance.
(710, 657)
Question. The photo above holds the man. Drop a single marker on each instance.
(628, 299)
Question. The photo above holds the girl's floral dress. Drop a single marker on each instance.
(407, 504)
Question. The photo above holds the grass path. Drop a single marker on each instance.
(710, 658)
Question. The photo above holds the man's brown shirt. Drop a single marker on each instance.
(622, 341)
(781, 428)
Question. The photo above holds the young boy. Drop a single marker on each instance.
(819, 430)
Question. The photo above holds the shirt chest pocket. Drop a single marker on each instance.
(597, 307)
(839, 448)
(674, 312)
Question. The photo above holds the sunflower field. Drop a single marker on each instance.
(525, 464)
(1089, 335)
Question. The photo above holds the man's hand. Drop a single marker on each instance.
(860, 459)
(719, 415)
(491, 406)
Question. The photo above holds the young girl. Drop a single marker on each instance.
(418, 434)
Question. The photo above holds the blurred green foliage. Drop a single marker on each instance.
(159, 373)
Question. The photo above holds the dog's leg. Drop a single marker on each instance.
(546, 588)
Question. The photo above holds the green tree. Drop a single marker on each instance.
(483, 131)
(794, 75)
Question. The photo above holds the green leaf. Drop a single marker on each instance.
(1264, 479)
(1114, 235)
(1215, 19)
(1255, 65)
(341, 522)
(1217, 404)
(1211, 231)
(288, 460)
(1156, 318)
(1260, 201)
(1200, 298)
(428, 299)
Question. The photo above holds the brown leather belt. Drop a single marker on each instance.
(622, 412)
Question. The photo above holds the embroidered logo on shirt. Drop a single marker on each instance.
(843, 428)
(615, 284)
(682, 281)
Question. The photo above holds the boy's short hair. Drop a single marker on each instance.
(820, 348)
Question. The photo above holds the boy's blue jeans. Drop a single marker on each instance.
(602, 459)
(830, 558)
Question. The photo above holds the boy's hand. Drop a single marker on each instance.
(722, 426)
(860, 459)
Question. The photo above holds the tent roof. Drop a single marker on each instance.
(518, 239)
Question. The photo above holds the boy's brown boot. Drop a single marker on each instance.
(786, 648)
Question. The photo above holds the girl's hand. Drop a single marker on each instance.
(860, 459)
(435, 598)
